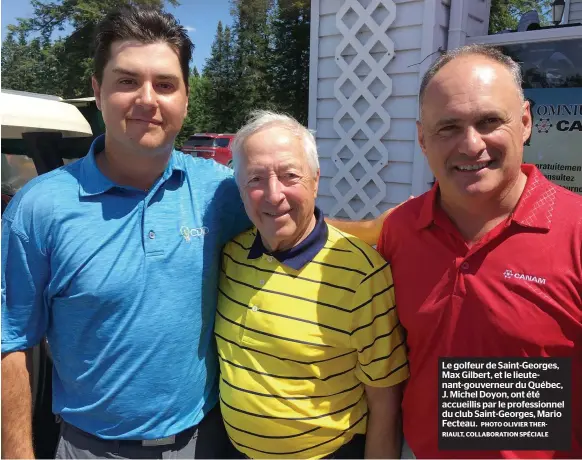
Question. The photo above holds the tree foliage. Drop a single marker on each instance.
(31, 65)
(252, 35)
(80, 14)
(32, 62)
(221, 78)
(197, 119)
(289, 63)
(261, 61)
(505, 14)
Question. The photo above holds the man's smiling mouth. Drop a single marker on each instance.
(276, 214)
(143, 120)
(474, 167)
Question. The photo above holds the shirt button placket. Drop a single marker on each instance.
(149, 231)
(459, 289)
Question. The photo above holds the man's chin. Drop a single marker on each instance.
(276, 233)
(149, 146)
(475, 185)
(478, 189)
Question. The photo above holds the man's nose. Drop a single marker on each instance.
(147, 95)
(472, 143)
(273, 193)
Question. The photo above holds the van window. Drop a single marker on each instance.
(222, 142)
(203, 141)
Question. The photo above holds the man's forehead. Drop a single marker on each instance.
(133, 58)
(274, 137)
(473, 71)
(274, 133)
(274, 145)
(451, 112)
(468, 83)
(133, 50)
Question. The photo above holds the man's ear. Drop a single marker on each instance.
(96, 91)
(187, 101)
(316, 184)
(420, 134)
(526, 121)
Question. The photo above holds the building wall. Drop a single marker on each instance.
(575, 13)
(468, 19)
(436, 36)
(365, 62)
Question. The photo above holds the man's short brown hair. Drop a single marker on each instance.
(143, 24)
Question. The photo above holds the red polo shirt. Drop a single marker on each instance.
(456, 301)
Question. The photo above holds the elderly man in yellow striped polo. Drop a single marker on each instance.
(312, 355)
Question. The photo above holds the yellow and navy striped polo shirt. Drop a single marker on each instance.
(297, 346)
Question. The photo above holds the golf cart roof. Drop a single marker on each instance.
(22, 112)
(80, 101)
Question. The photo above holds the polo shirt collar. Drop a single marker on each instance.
(534, 208)
(537, 202)
(296, 257)
(428, 210)
(94, 182)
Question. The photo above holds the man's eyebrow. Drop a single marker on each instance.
(167, 76)
(125, 72)
(164, 76)
(478, 116)
(448, 121)
(491, 114)
(288, 164)
(283, 166)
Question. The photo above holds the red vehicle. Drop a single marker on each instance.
(210, 145)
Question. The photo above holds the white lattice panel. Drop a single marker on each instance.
(362, 120)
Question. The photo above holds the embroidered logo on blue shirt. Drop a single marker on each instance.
(189, 233)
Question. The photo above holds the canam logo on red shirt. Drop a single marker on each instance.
(510, 274)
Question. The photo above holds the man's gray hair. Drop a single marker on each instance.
(262, 119)
(491, 52)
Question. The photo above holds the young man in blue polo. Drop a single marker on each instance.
(114, 259)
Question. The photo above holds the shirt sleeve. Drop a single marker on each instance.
(235, 217)
(383, 240)
(25, 274)
(376, 331)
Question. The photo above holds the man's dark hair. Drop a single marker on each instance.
(143, 24)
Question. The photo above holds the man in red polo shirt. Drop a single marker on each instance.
(489, 262)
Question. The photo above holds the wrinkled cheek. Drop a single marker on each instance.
(252, 200)
(255, 196)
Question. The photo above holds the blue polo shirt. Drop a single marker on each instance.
(124, 285)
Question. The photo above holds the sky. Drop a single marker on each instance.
(200, 17)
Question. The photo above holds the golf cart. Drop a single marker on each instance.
(41, 133)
